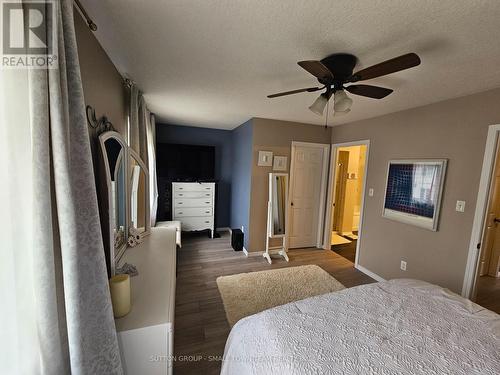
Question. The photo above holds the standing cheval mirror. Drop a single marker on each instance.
(113, 159)
(138, 198)
(277, 216)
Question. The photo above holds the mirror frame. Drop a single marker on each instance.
(135, 155)
(271, 234)
(114, 254)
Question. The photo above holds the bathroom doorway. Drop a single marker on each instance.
(348, 174)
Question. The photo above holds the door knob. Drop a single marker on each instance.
(496, 220)
(291, 204)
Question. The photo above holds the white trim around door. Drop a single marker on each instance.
(482, 201)
(327, 234)
(323, 186)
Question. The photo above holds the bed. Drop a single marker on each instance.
(400, 326)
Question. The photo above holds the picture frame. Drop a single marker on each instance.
(280, 163)
(265, 159)
(413, 191)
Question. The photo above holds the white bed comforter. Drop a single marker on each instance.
(394, 327)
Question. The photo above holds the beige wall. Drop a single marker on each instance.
(454, 129)
(276, 136)
(103, 86)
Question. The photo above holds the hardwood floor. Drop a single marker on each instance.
(200, 327)
(488, 293)
(347, 250)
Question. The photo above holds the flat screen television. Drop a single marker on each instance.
(181, 163)
(177, 162)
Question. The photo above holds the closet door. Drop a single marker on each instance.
(307, 194)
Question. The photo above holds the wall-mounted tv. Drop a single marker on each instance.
(176, 162)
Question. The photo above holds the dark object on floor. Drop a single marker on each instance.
(237, 239)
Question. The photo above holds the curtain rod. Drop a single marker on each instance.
(83, 12)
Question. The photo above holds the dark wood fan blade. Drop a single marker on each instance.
(374, 92)
(310, 89)
(387, 67)
(317, 69)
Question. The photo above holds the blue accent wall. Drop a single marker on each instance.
(221, 140)
(241, 179)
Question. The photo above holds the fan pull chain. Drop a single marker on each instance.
(327, 110)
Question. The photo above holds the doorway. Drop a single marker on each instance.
(308, 181)
(346, 198)
(486, 282)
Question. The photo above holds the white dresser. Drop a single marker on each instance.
(146, 334)
(193, 204)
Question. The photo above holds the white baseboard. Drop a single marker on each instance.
(245, 251)
(366, 271)
(223, 229)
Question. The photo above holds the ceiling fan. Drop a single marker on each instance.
(334, 71)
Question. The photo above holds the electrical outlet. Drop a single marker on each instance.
(370, 192)
(403, 265)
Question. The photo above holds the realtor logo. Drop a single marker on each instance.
(28, 34)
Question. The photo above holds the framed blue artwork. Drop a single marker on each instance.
(413, 191)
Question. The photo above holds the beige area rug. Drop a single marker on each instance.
(245, 294)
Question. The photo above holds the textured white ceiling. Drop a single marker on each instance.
(211, 63)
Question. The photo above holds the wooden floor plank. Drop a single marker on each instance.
(488, 293)
(200, 327)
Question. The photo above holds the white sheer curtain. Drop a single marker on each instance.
(153, 184)
(56, 315)
(143, 140)
(19, 349)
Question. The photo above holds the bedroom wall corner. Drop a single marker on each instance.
(222, 141)
(275, 136)
(241, 177)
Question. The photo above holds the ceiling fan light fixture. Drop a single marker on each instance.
(341, 102)
(341, 113)
(319, 104)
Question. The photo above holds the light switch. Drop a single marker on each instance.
(370, 192)
(460, 207)
(403, 265)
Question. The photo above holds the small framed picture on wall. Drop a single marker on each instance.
(280, 163)
(265, 159)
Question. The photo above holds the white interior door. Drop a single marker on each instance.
(306, 194)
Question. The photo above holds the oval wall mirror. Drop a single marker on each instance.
(114, 159)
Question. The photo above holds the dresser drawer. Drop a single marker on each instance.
(192, 202)
(192, 194)
(192, 211)
(192, 186)
(197, 223)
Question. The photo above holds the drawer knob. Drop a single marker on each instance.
(207, 202)
(180, 213)
(207, 222)
(207, 212)
(179, 202)
(181, 195)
